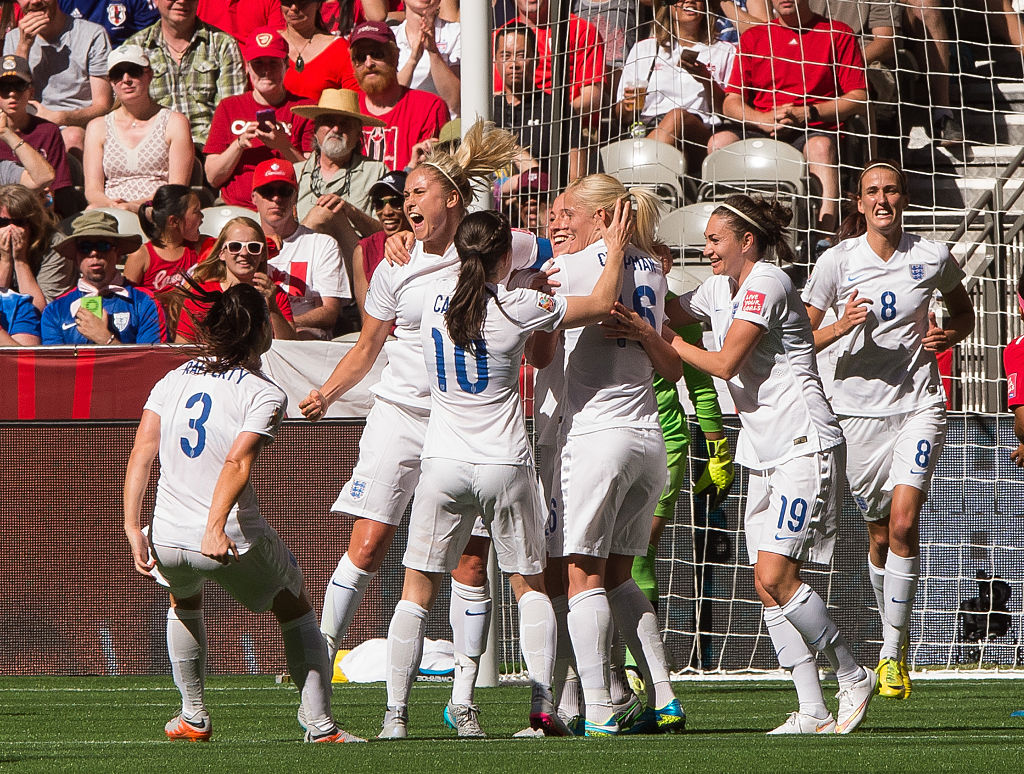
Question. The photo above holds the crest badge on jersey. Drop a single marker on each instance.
(753, 302)
(121, 320)
(117, 14)
(1011, 385)
(357, 490)
(546, 302)
(861, 503)
(917, 271)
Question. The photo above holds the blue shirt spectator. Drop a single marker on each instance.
(19, 319)
(120, 19)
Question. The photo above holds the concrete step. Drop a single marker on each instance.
(948, 193)
(986, 93)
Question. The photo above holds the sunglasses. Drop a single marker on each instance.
(270, 191)
(86, 246)
(252, 248)
(288, 3)
(13, 86)
(20, 222)
(394, 201)
(134, 71)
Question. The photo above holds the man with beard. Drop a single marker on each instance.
(409, 116)
(238, 141)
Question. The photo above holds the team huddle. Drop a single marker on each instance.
(466, 297)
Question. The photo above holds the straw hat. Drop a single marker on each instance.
(344, 102)
(97, 225)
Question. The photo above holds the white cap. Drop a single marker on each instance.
(127, 55)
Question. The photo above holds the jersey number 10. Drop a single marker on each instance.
(460, 365)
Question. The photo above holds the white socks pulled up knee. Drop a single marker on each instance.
(405, 650)
(341, 600)
(186, 647)
(900, 588)
(590, 626)
(470, 617)
(808, 614)
(564, 681)
(638, 623)
(306, 653)
(537, 635)
(797, 659)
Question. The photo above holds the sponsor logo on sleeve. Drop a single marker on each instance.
(546, 302)
(1011, 385)
(753, 302)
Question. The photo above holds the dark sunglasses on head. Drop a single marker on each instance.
(270, 191)
(253, 248)
(21, 222)
(86, 246)
(132, 70)
(395, 201)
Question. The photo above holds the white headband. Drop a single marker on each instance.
(881, 164)
(745, 217)
(450, 180)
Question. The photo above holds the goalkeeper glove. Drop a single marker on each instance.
(716, 480)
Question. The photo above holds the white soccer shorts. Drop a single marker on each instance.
(549, 470)
(450, 497)
(611, 482)
(793, 508)
(260, 574)
(886, 452)
(388, 468)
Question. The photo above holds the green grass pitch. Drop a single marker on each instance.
(116, 725)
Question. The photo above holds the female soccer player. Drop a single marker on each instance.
(790, 442)
(887, 391)
(476, 456)
(437, 195)
(208, 420)
(613, 458)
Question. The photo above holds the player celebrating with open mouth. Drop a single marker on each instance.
(791, 444)
(208, 420)
(887, 391)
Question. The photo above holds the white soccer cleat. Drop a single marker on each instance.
(464, 718)
(396, 724)
(802, 723)
(853, 701)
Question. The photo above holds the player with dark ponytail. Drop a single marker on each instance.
(208, 420)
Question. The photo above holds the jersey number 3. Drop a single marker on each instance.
(194, 448)
(460, 365)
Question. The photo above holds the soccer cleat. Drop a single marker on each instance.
(198, 729)
(627, 713)
(529, 733)
(395, 724)
(577, 724)
(666, 720)
(611, 728)
(464, 718)
(890, 681)
(905, 673)
(635, 679)
(336, 736)
(854, 698)
(549, 723)
(802, 723)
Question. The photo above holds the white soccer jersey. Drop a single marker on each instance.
(476, 415)
(608, 381)
(547, 395)
(881, 367)
(777, 391)
(201, 415)
(398, 293)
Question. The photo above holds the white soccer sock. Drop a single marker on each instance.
(341, 600)
(618, 686)
(306, 653)
(569, 699)
(186, 647)
(469, 614)
(537, 632)
(807, 612)
(901, 574)
(797, 659)
(638, 623)
(590, 625)
(405, 650)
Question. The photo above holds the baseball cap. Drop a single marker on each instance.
(274, 171)
(15, 67)
(127, 54)
(392, 182)
(533, 180)
(378, 32)
(264, 41)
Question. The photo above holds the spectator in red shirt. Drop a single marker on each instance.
(240, 17)
(410, 116)
(1013, 364)
(585, 49)
(340, 16)
(171, 223)
(801, 97)
(316, 59)
(238, 141)
(238, 257)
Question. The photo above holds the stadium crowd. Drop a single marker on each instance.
(328, 126)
